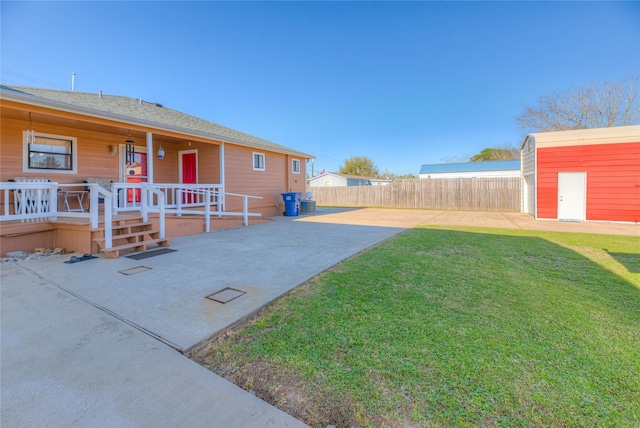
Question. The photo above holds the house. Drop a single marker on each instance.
(586, 174)
(379, 181)
(504, 168)
(76, 165)
(332, 179)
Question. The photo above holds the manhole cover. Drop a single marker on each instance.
(226, 295)
(135, 270)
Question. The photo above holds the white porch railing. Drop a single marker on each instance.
(97, 192)
(29, 201)
(194, 199)
(149, 196)
(245, 207)
(179, 198)
(37, 200)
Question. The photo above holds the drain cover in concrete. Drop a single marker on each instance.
(226, 295)
(135, 270)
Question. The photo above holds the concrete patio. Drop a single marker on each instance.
(85, 344)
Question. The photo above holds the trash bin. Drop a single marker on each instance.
(291, 203)
(307, 206)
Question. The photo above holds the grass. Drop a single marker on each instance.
(458, 327)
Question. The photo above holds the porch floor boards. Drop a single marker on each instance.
(86, 221)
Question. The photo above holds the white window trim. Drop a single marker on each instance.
(74, 155)
(293, 162)
(253, 161)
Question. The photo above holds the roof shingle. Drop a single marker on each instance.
(139, 111)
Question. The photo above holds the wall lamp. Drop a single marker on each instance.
(113, 150)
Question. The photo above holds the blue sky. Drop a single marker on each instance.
(404, 83)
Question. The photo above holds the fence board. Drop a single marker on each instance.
(460, 194)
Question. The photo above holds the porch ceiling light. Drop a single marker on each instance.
(160, 153)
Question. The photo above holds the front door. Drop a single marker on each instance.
(134, 171)
(572, 196)
(188, 172)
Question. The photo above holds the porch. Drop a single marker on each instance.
(89, 218)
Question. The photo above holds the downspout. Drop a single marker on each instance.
(149, 157)
(222, 174)
(288, 170)
(306, 183)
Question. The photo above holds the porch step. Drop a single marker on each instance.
(125, 226)
(152, 233)
(135, 235)
(114, 252)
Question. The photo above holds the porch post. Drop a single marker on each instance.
(150, 156)
(207, 210)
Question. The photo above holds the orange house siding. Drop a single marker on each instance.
(93, 155)
(95, 136)
(167, 171)
(613, 179)
(241, 178)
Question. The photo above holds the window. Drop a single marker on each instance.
(258, 161)
(50, 153)
(295, 166)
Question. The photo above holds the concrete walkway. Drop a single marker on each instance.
(86, 345)
(66, 363)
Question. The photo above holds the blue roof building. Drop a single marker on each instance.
(503, 168)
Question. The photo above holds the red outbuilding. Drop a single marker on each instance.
(585, 174)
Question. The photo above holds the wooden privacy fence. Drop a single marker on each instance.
(463, 194)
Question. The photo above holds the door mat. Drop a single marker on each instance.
(135, 270)
(148, 254)
(226, 295)
(76, 259)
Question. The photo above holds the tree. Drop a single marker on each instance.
(359, 165)
(493, 154)
(593, 106)
(391, 176)
(455, 159)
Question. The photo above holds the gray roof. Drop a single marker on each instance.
(139, 112)
(503, 165)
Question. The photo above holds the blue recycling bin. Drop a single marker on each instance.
(291, 203)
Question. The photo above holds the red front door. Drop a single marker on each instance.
(189, 174)
(136, 173)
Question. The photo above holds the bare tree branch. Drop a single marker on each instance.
(598, 105)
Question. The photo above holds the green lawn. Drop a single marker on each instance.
(456, 327)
